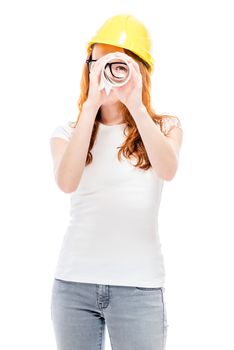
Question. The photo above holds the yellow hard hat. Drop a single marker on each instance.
(127, 32)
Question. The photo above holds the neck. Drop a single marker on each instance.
(111, 114)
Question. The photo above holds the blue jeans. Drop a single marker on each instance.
(135, 316)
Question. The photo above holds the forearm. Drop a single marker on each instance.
(161, 154)
(73, 160)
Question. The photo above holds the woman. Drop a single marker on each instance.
(113, 160)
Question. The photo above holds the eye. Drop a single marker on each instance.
(121, 68)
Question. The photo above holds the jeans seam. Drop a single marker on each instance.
(101, 336)
(112, 346)
(164, 343)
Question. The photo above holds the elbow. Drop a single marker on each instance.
(66, 189)
(169, 176)
(169, 172)
(65, 186)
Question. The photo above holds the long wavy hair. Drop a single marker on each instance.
(132, 145)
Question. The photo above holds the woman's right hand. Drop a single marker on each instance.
(96, 97)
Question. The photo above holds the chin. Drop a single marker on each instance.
(109, 103)
(110, 99)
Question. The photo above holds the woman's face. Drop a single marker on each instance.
(98, 51)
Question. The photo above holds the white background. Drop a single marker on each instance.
(42, 52)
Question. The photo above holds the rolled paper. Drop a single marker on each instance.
(109, 79)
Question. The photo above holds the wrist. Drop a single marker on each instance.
(137, 109)
(90, 106)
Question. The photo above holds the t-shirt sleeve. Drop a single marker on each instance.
(61, 131)
(168, 123)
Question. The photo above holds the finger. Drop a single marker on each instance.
(133, 70)
(107, 56)
(136, 66)
(95, 74)
(124, 55)
(137, 72)
(130, 61)
(99, 64)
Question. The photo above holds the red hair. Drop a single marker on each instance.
(132, 145)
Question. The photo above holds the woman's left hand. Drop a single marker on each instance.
(130, 94)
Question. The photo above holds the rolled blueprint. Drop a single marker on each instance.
(115, 72)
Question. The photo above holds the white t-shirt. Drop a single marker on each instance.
(113, 237)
